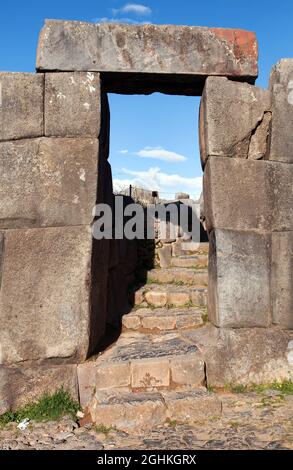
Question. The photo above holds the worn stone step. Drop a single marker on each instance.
(135, 412)
(140, 362)
(171, 295)
(163, 319)
(179, 276)
(191, 261)
(189, 248)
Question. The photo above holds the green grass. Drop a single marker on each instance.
(235, 424)
(238, 388)
(103, 429)
(48, 408)
(152, 281)
(285, 387)
(205, 318)
(172, 422)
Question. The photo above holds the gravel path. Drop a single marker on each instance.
(249, 421)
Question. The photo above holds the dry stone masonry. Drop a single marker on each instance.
(59, 287)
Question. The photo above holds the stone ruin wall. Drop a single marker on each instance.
(56, 281)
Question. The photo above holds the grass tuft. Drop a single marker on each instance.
(285, 387)
(48, 408)
(103, 429)
(205, 318)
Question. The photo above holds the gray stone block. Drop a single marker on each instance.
(46, 290)
(244, 356)
(27, 383)
(237, 194)
(282, 279)
(239, 279)
(280, 183)
(47, 182)
(72, 104)
(165, 255)
(21, 105)
(234, 120)
(281, 85)
(157, 49)
(248, 195)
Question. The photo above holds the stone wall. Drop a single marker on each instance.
(51, 301)
(246, 140)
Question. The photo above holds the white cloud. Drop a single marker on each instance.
(105, 19)
(161, 154)
(123, 151)
(154, 179)
(135, 8)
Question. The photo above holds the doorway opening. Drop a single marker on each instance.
(154, 158)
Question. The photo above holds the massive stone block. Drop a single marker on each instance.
(234, 120)
(281, 85)
(282, 279)
(237, 194)
(47, 182)
(21, 105)
(72, 104)
(26, 383)
(280, 182)
(239, 279)
(45, 299)
(148, 49)
(248, 195)
(1, 252)
(245, 355)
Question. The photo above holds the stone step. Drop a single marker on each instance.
(143, 362)
(135, 412)
(189, 248)
(179, 276)
(157, 295)
(163, 319)
(191, 261)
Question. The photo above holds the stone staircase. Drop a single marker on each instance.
(154, 373)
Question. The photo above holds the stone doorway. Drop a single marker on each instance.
(54, 276)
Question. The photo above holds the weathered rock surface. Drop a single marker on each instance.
(179, 276)
(47, 182)
(280, 182)
(237, 194)
(160, 295)
(192, 406)
(281, 85)
(148, 49)
(142, 362)
(72, 104)
(244, 355)
(282, 279)
(137, 412)
(21, 105)
(165, 254)
(234, 120)
(128, 411)
(184, 261)
(239, 279)
(163, 319)
(242, 207)
(25, 383)
(45, 300)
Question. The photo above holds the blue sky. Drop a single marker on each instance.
(154, 140)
